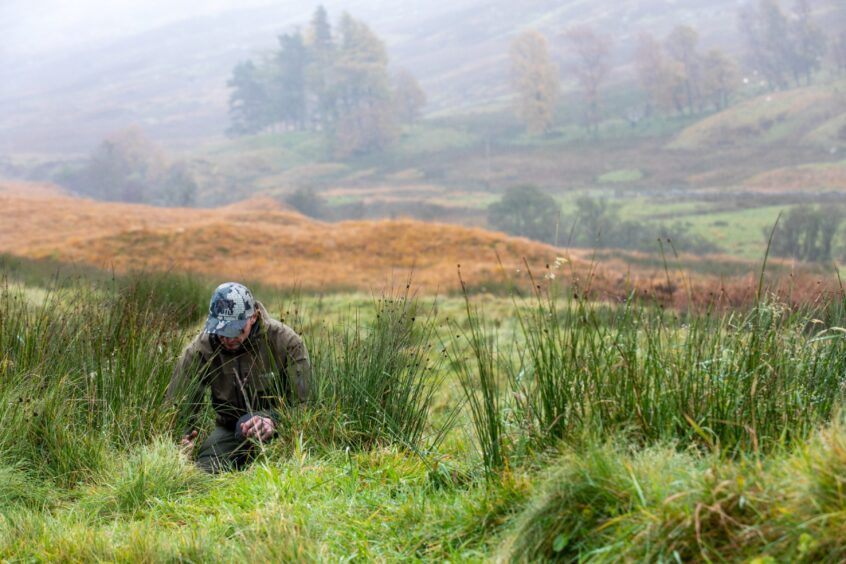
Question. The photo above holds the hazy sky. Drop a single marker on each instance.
(35, 26)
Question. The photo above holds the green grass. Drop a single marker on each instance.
(422, 139)
(621, 176)
(741, 233)
(549, 428)
(299, 146)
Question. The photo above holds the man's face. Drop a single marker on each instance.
(234, 343)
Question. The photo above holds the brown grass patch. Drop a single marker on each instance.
(258, 241)
(817, 177)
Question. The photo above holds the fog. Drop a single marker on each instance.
(35, 28)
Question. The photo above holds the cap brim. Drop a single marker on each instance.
(225, 328)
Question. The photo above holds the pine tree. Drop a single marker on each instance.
(536, 81)
(320, 73)
(288, 82)
(249, 102)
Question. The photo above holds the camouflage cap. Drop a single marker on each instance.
(231, 306)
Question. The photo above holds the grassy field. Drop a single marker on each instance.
(536, 428)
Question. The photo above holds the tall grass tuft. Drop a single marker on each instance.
(733, 381)
(474, 359)
(379, 377)
(181, 297)
(80, 369)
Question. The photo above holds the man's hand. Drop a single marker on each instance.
(258, 427)
(186, 445)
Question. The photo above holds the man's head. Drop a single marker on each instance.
(232, 313)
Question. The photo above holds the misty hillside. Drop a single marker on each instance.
(171, 79)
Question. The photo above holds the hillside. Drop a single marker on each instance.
(257, 240)
(171, 76)
(260, 241)
(810, 116)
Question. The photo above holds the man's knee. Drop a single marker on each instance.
(222, 450)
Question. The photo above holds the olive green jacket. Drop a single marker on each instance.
(271, 368)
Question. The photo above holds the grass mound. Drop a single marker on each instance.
(659, 504)
(19, 488)
(144, 483)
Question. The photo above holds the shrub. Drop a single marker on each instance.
(308, 202)
(525, 211)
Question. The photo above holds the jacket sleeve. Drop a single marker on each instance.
(187, 385)
(297, 365)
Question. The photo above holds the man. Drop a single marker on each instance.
(253, 365)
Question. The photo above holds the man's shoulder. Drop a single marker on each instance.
(201, 344)
(277, 330)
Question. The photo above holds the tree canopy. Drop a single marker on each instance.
(335, 81)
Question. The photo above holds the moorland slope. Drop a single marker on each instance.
(261, 241)
(257, 240)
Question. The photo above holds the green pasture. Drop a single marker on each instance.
(422, 139)
(741, 233)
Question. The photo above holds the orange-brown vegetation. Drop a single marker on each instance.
(258, 240)
(825, 177)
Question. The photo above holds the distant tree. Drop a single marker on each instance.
(320, 72)
(591, 66)
(649, 64)
(287, 90)
(308, 202)
(681, 44)
(807, 40)
(526, 211)
(535, 79)
(661, 77)
(671, 85)
(366, 120)
(596, 223)
(128, 167)
(179, 188)
(720, 78)
(770, 41)
(409, 98)
(807, 233)
(249, 102)
(339, 85)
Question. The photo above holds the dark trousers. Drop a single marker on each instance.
(223, 450)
